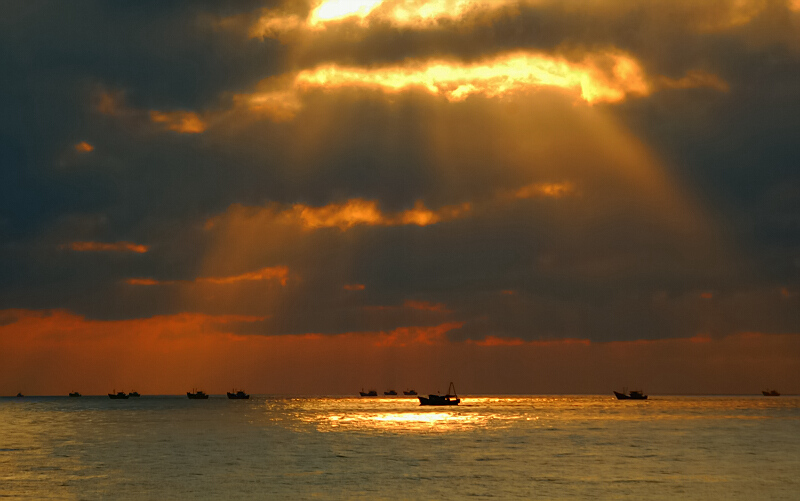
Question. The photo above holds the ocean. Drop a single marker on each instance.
(500, 447)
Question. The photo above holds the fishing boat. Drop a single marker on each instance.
(771, 393)
(239, 395)
(118, 395)
(390, 392)
(449, 399)
(370, 393)
(197, 394)
(409, 392)
(134, 394)
(20, 395)
(74, 394)
(632, 395)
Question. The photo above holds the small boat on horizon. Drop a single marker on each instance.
(770, 393)
(239, 395)
(409, 392)
(632, 395)
(370, 393)
(118, 395)
(390, 392)
(74, 394)
(20, 395)
(134, 394)
(198, 394)
(449, 399)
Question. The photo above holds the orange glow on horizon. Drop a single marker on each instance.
(53, 352)
(354, 287)
(106, 247)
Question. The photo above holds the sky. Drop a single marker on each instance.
(320, 196)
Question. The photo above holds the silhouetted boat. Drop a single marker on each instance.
(409, 392)
(390, 392)
(198, 395)
(370, 393)
(632, 395)
(20, 395)
(134, 394)
(771, 393)
(74, 394)
(118, 395)
(239, 395)
(449, 399)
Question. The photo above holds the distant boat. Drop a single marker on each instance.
(74, 394)
(632, 395)
(239, 395)
(409, 392)
(771, 393)
(390, 392)
(20, 395)
(449, 399)
(370, 393)
(134, 394)
(200, 395)
(118, 395)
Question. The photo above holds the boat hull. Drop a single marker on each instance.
(117, 396)
(623, 396)
(437, 400)
(238, 396)
(197, 396)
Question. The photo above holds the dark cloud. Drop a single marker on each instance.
(683, 217)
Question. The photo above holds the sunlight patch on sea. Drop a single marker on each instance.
(519, 447)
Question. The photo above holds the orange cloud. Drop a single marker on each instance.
(185, 122)
(545, 190)
(279, 273)
(354, 212)
(417, 14)
(106, 247)
(84, 147)
(695, 79)
(277, 105)
(144, 281)
(599, 77)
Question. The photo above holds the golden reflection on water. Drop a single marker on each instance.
(409, 421)
(403, 415)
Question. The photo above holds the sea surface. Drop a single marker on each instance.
(503, 447)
